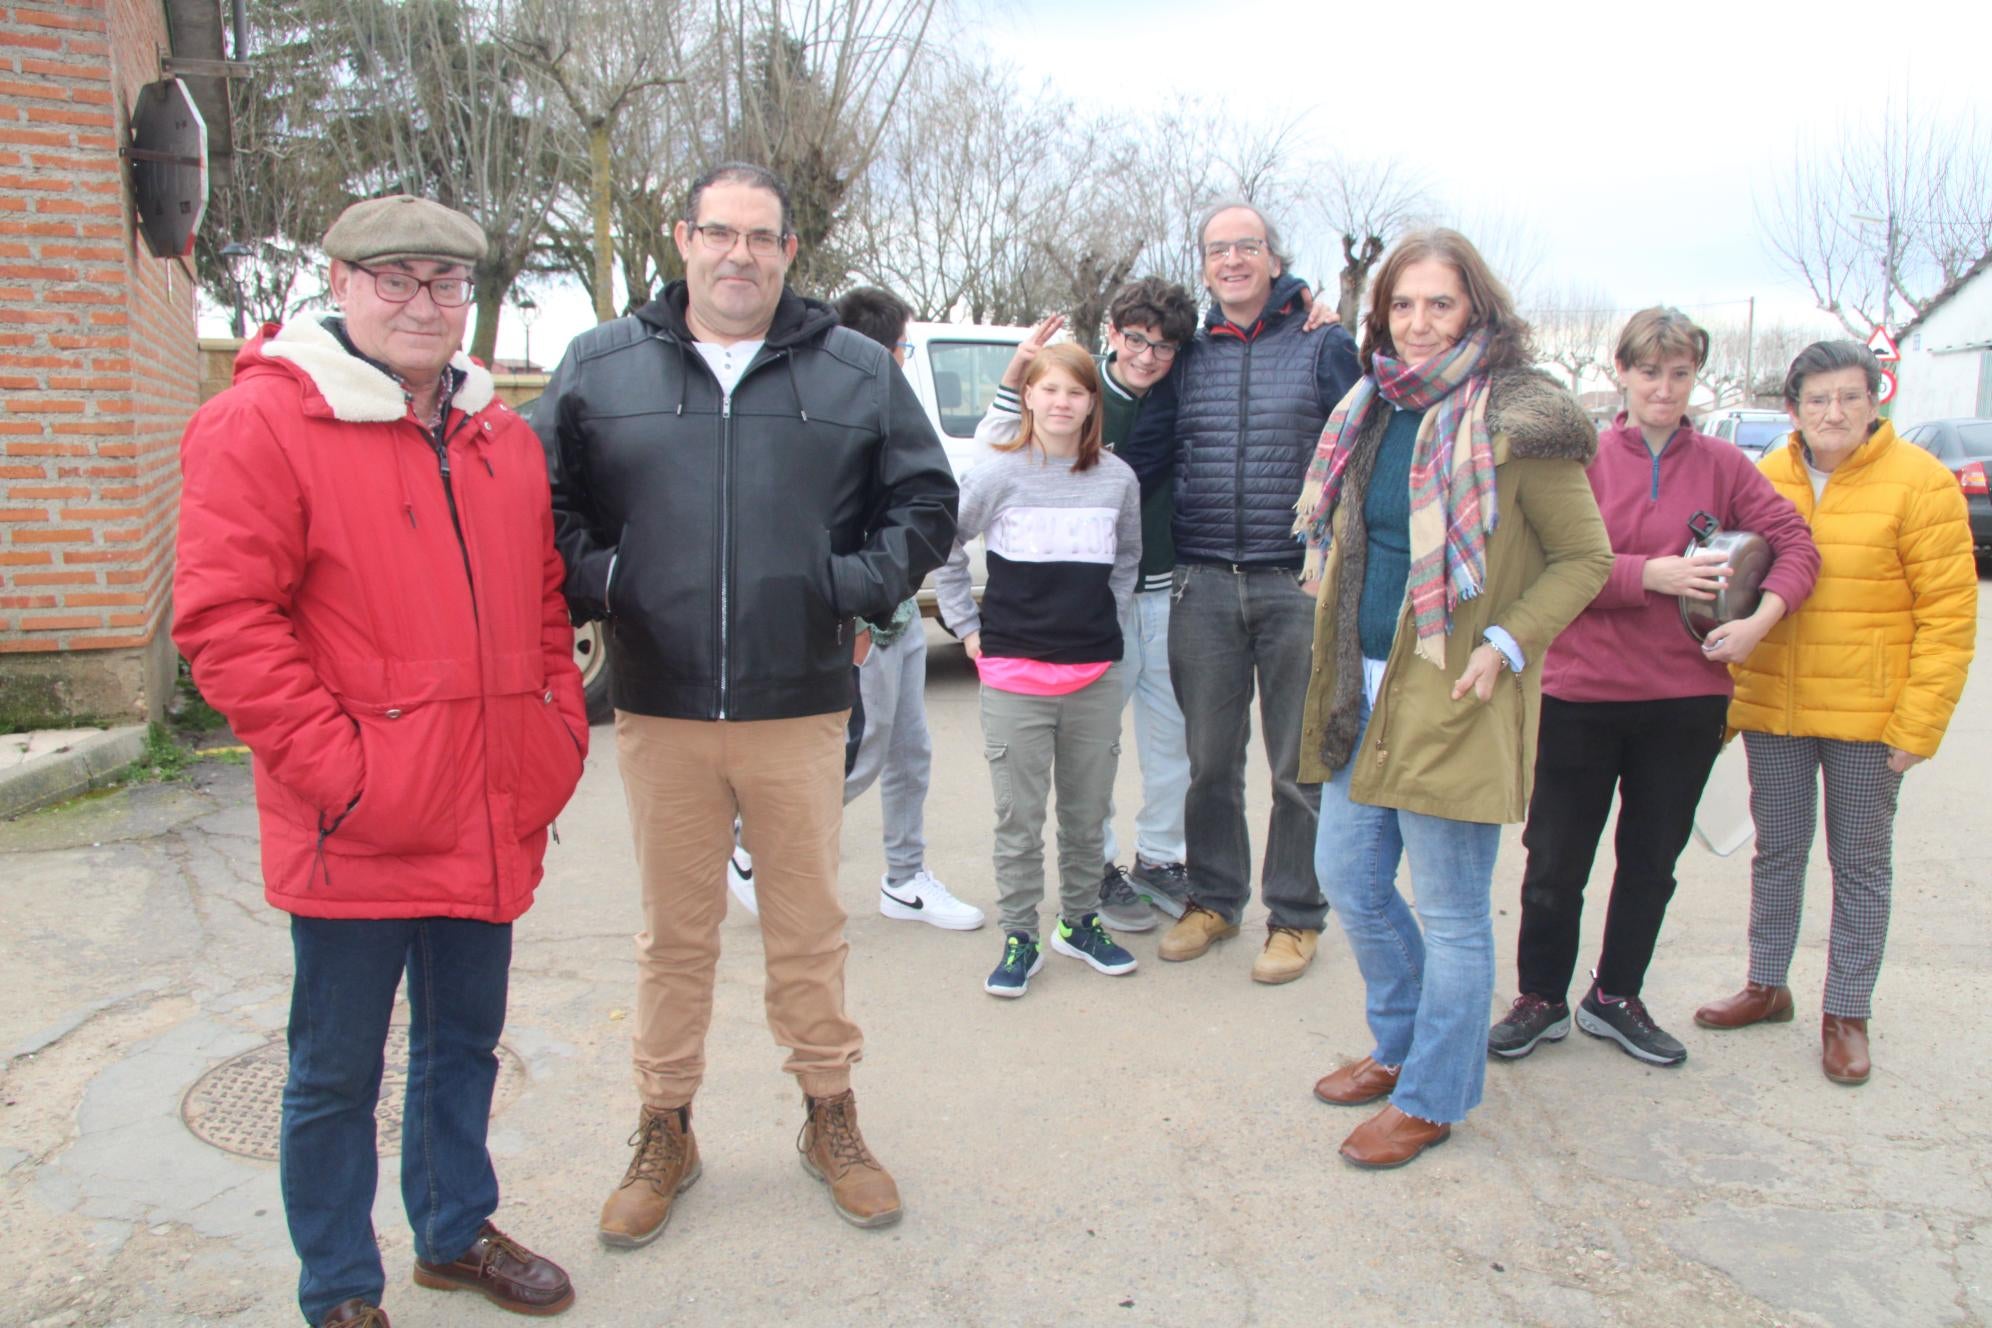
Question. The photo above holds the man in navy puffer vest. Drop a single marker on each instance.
(1233, 429)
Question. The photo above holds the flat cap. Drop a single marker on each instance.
(403, 226)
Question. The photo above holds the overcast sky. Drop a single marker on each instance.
(1629, 142)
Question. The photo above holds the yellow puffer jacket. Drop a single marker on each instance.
(1879, 652)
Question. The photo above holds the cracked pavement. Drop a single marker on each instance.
(1126, 1151)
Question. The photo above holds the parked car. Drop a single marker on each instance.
(1965, 447)
(954, 370)
(1753, 430)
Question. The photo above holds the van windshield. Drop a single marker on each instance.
(966, 375)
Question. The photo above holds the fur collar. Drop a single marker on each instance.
(1538, 418)
(357, 392)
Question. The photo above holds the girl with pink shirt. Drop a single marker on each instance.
(1632, 702)
(1062, 521)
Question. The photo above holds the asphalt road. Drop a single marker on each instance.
(1138, 1150)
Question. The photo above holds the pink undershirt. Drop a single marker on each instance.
(1034, 677)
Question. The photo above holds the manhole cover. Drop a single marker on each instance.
(238, 1105)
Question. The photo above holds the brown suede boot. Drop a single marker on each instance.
(665, 1165)
(1844, 1050)
(1755, 1004)
(834, 1152)
(1194, 933)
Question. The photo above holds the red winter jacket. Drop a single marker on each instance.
(409, 698)
(1630, 644)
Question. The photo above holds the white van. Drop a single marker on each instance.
(955, 369)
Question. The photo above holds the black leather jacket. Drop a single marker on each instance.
(730, 548)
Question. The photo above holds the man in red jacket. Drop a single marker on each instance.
(367, 588)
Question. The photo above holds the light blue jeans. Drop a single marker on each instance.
(895, 750)
(1428, 987)
(1158, 732)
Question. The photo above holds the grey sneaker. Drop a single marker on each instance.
(1532, 1019)
(1120, 907)
(1626, 1022)
(1164, 885)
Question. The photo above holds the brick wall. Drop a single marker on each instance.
(98, 371)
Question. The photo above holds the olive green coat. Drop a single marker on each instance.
(1465, 760)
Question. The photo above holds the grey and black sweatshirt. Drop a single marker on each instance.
(1063, 549)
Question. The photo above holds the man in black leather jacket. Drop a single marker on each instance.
(1233, 428)
(736, 480)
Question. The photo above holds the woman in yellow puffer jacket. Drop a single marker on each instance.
(1859, 684)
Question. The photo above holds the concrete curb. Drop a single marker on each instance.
(78, 768)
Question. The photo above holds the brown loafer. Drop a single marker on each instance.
(356, 1313)
(504, 1272)
(1755, 1004)
(1357, 1083)
(1390, 1139)
(1844, 1050)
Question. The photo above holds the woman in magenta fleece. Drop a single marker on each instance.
(1631, 701)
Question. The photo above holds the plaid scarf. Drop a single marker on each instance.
(1452, 480)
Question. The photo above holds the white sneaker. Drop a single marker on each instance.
(924, 899)
(740, 879)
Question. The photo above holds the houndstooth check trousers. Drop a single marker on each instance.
(1861, 794)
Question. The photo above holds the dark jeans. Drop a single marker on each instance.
(1227, 630)
(1657, 754)
(341, 997)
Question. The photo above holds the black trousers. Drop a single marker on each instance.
(1657, 755)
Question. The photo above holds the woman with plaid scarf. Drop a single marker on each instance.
(1451, 534)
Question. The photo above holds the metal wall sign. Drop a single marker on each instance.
(168, 162)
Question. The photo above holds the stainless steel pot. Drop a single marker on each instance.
(1749, 558)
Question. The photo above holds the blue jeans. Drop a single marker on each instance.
(1158, 731)
(341, 997)
(1428, 988)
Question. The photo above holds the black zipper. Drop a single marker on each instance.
(439, 442)
(1238, 485)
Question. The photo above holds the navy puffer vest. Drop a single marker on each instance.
(1249, 415)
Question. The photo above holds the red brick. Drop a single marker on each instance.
(30, 602)
(98, 514)
(33, 272)
(64, 115)
(33, 535)
(25, 514)
(63, 622)
(53, 407)
(97, 601)
(27, 493)
(34, 41)
(54, 578)
(22, 473)
(34, 91)
(68, 22)
(64, 69)
(24, 558)
(103, 642)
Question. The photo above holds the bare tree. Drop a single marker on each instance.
(1576, 329)
(606, 59)
(1366, 203)
(1746, 365)
(1878, 216)
(281, 190)
(436, 105)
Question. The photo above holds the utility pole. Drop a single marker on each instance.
(1750, 356)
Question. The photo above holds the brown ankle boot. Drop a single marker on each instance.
(834, 1152)
(665, 1165)
(1844, 1049)
(1755, 1004)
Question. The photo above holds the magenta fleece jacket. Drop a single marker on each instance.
(1630, 645)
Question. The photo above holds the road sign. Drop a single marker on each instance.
(1883, 347)
(1887, 387)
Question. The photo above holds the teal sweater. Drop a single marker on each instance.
(1387, 512)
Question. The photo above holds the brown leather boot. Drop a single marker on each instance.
(1755, 1004)
(834, 1152)
(1194, 933)
(1844, 1049)
(665, 1165)
(1390, 1139)
(356, 1313)
(504, 1272)
(1288, 952)
(1353, 1085)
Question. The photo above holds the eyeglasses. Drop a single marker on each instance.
(904, 347)
(401, 287)
(1136, 344)
(1819, 403)
(720, 239)
(1217, 249)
